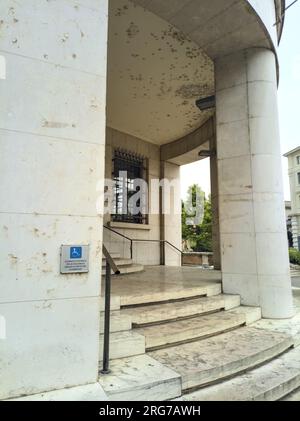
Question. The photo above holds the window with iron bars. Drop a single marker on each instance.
(127, 169)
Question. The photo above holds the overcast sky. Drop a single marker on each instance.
(289, 105)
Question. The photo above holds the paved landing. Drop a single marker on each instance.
(158, 283)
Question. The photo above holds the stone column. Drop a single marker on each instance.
(171, 213)
(254, 249)
(52, 144)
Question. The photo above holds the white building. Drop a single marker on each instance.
(294, 176)
(89, 88)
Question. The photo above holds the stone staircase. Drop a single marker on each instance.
(186, 345)
(126, 266)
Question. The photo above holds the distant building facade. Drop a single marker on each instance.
(294, 215)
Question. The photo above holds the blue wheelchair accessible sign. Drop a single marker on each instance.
(76, 253)
(74, 259)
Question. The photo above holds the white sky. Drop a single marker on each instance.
(289, 106)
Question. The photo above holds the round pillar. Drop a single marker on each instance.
(254, 249)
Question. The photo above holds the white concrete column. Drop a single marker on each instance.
(254, 249)
(171, 208)
(52, 140)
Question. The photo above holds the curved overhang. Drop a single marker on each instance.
(220, 27)
(161, 55)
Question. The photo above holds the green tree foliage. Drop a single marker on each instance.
(294, 256)
(199, 236)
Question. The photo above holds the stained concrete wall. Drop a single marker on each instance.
(52, 140)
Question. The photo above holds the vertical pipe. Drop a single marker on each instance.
(106, 369)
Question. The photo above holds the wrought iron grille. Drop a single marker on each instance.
(127, 169)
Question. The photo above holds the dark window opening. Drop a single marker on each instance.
(130, 198)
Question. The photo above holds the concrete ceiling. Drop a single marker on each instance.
(160, 61)
(155, 75)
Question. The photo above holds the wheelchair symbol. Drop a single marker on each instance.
(76, 253)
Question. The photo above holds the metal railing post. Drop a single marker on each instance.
(105, 369)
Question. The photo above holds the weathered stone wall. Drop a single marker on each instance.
(52, 141)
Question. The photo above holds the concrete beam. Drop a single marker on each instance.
(185, 150)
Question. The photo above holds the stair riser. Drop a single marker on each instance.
(124, 347)
(114, 303)
(156, 392)
(126, 270)
(119, 263)
(252, 315)
(148, 319)
(120, 324)
(210, 376)
(280, 391)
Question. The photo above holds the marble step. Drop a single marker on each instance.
(251, 314)
(86, 393)
(124, 344)
(127, 269)
(293, 397)
(157, 313)
(118, 322)
(119, 262)
(115, 303)
(213, 359)
(140, 378)
(150, 294)
(273, 381)
(188, 330)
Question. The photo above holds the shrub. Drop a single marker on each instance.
(294, 256)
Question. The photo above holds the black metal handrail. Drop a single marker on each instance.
(136, 240)
(123, 236)
(110, 266)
